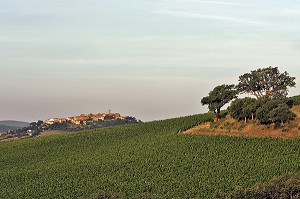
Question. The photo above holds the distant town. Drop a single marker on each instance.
(74, 123)
(84, 119)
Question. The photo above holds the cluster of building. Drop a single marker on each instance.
(3, 133)
(83, 119)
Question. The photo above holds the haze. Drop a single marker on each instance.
(149, 59)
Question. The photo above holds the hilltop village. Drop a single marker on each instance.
(74, 123)
(85, 119)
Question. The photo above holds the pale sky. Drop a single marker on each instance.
(151, 59)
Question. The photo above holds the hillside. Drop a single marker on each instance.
(4, 128)
(7, 125)
(135, 161)
(14, 123)
(232, 127)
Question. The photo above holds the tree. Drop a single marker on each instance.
(39, 123)
(243, 109)
(266, 83)
(274, 111)
(218, 97)
(282, 114)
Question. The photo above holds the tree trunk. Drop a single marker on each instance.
(245, 120)
(252, 115)
(217, 115)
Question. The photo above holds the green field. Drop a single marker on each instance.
(148, 159)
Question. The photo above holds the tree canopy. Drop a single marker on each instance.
(266, 111)
(274, 111)
(243, 109)
(270, 88)
(266, 83)
(218, 97)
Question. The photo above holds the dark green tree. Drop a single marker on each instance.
(39, 123)
(243, 109)
(274, 111)
(218, 97)
(266, 83)
(282, 114)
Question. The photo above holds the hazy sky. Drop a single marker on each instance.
(151, 59)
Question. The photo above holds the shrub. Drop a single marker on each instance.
(295, 100)
(283, 187)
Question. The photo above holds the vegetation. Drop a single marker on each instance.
(35, 128)
(218, 97)
(266, 83)
(274, 111)
(284, 187)
(68, 126)
(265, 111)
(7, 125)
(243, 109)
(295, 100)
(146, 160)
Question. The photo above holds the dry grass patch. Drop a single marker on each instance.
(231, 127)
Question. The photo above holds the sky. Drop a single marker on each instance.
(151, 59)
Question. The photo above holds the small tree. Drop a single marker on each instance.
(243, 109)
(266, 83)
(218, 97)
(282, 114)
(274, 111)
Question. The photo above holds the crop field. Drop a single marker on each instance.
(144, 160)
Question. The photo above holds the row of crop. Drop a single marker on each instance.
(195, 120)
(140, 159)
(164, 169)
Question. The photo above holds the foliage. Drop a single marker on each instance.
(274, 111)
(68, 126)
(285, 187)
(295, 100)
(282, 114)
(146, 159)
(265, 110)
(33, 129)
(244, 108)
(266, 83)
(218, 97)
(36, 128)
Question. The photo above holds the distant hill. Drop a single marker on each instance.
(6, 125)
(14, 123)
(4, 128)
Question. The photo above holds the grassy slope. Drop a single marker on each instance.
(231, 127)
(146, 158)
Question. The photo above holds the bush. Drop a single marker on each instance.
(295, 100)
(283, 187)
(274, 111)
(242, 108)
